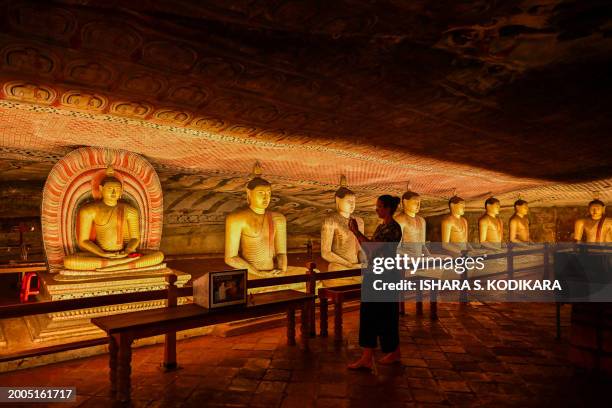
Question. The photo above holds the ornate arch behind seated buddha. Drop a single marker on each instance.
(73, 181)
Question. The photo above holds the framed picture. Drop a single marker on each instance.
(218, 289)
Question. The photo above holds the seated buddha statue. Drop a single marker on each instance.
(108, 234)
(413, 226)
(339, 246)
(596, 228)
(455, 227)
(255, 238)
(490, 226)
(519, 223)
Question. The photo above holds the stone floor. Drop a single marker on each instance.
(475, 355)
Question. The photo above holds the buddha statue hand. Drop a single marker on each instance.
(264, 274)
(114, 255)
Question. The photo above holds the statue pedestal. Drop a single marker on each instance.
(72, 324)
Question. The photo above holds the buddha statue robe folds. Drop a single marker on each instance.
(490, 225)
(413, 226)
(339, 246)
(256, 238)
(519, 224)
(256, 242)
(455, 228)
(597, 228)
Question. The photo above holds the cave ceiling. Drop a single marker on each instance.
(472, 97)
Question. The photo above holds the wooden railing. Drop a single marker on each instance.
(170, 294)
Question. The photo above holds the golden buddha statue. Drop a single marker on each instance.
(455, 227)
(108, 233)
(413, 226)
(490, 226)
(339, 246)
(519, 223)
(597, 228)
(255, 238)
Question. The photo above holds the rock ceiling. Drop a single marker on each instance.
(478, 97)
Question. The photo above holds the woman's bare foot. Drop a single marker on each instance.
(361, 364)
(391, 358)
(366, 361)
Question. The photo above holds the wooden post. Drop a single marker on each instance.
(338, 318)
(311, 288)
(510, 261)
(546, 261)
(170, 338)
(323, 308)
(509, 267)
(433, 304)
(463, 297)
(419, 300)
(291, 327)
(304, 329)
(558, 318)
(124, 368)
(113, 350)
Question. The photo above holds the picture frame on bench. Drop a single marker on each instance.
(222, 288)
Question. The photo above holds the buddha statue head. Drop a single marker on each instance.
(258, 191)
(597, 209)
(492, 206)
(110, 188)
(345, 199)
(411, 202)
(521, 207)
(456, 205)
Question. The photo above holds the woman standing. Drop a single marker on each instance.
(379, 319)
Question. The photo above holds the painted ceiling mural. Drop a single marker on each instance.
(475, 98)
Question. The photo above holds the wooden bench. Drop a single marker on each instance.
(337, 295)
(123, 329)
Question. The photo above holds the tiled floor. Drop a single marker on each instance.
(490, 355)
